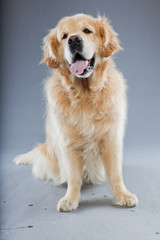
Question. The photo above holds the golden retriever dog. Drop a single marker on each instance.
(86, 111)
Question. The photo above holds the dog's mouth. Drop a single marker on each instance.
(81, 66)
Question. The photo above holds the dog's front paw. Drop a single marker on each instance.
(67, 204)
(126, 199)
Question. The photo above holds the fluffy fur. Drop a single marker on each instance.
(85, 115)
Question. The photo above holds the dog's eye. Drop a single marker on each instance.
(87, 31)
(65, 36)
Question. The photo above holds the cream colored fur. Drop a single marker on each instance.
(85, 116)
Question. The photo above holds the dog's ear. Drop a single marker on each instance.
(50, 45)
(110, 42)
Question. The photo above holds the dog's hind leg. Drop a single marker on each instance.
(44, 161)
(24, 159)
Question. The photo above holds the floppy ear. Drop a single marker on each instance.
(50, 55)
(110, 42)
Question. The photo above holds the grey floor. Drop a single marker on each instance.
(28, 206)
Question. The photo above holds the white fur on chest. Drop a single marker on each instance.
(92, 171)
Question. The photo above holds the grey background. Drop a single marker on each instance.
(22, 116)
(25, 23)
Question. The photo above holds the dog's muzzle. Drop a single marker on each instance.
(75, 43)
(80, 65)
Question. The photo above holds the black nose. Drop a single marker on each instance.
(75, 40)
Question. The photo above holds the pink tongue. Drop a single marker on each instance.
(78, 67)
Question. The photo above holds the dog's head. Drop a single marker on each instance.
(79, 44)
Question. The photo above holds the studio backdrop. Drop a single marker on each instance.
(23, 26)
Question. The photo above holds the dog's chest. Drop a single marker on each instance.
(90, 118)
(89, 114)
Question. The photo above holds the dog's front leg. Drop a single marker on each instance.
(112, 159)
(74, 179)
